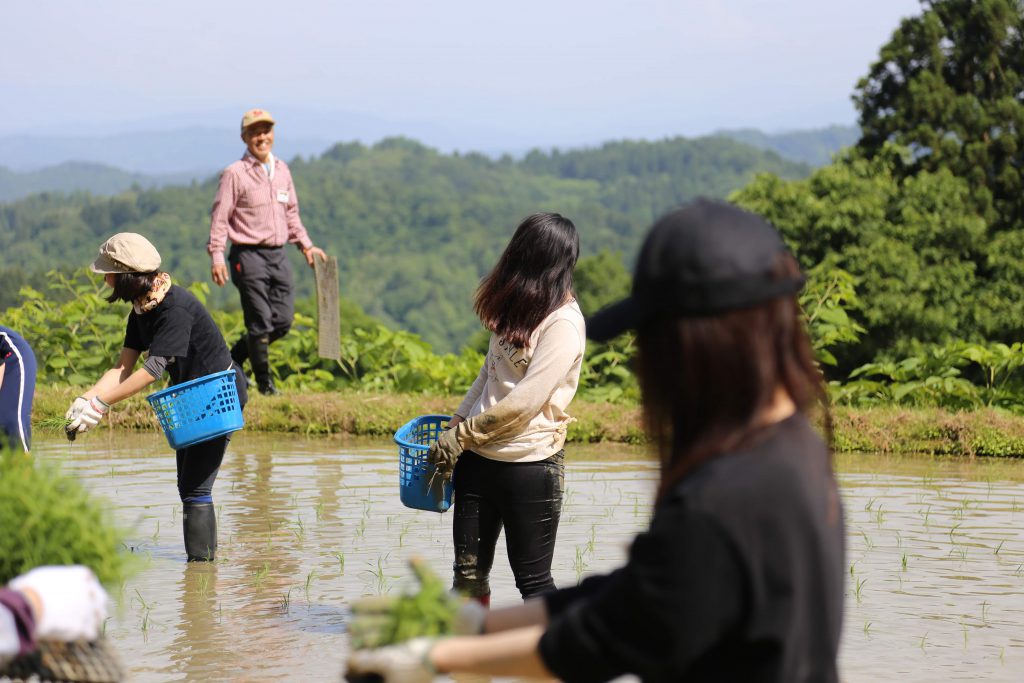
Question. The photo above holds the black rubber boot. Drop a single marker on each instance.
(259, 357)
(200, 523)
(240, 351)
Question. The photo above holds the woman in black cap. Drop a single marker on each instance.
(740, 575)
(180, 338)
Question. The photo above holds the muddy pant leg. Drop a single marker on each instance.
(475, 528)
(531, 505)
(197, 470)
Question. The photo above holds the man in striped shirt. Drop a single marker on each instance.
(256, 207)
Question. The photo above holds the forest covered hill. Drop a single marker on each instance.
(414, 229)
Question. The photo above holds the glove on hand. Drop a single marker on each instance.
(77, 406)
(89, 416)
(444, 452)
(74, 604)
(408, 662)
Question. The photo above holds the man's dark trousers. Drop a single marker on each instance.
(263, 277)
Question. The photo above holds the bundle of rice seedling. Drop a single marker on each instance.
(48, 518)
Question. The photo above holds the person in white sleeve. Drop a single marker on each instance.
(503, 447)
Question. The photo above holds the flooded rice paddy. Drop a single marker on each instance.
(935, 584)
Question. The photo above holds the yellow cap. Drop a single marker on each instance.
(255, 116)
(126, 252)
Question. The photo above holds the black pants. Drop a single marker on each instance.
(263, 277)
(525, 498)
(198, 465)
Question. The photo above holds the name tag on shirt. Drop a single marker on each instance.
(282, 196)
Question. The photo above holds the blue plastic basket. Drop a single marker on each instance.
(198, 410)
(417, 485)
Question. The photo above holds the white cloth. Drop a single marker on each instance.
(74, 604)
(535, 383)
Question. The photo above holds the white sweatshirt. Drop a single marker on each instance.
(535, 383)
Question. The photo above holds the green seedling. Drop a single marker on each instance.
(999, 547)
(867, 629)
(924, 640)
(310, 577)
(858, 589)
(286, 602)
(386, 620)
(340, 555)
(903, 562)
(79, 528)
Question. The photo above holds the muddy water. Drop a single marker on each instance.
(306, 526)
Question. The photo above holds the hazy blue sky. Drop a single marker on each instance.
(543, 72)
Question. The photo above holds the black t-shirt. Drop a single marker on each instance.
(181, 330)
(739, 578)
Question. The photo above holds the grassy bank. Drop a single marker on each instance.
(882, 430)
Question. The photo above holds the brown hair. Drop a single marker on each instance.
(706, 380)
(532, 278)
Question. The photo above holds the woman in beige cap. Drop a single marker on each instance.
(182, 340)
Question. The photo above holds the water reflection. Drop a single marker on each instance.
(935, 588)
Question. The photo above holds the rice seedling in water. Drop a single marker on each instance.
(592, 539)
(903, 562)
(202, 584)
(871, 502)
(868, 543)
(310, 577)
(260, 575)
(924, 640)
(156, 533)
(963, 627)
(867, 628)
(999, 547)
(984, 611)
(300, 529)
(579, 564)
(858, 590)
(340, 555)
(879, 516)
(286, 602)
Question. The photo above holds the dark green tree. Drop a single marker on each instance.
(949, 85)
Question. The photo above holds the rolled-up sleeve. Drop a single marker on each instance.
(655, 617)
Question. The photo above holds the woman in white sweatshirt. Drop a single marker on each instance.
(503, 447)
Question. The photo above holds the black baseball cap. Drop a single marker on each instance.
(705, 258)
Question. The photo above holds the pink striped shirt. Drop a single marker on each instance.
(252, 208)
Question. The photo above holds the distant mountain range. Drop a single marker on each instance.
(814, 147)
(107, 164)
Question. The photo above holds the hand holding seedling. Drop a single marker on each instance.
(85, 414)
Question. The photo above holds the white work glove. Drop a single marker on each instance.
(74, 604)
(407, 662)
(77, 406)
(89, 416)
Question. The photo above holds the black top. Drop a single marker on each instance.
(181, 330)
(739, 578)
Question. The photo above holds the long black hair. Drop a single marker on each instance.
(532, 278)
(130, 286)
(706, 380)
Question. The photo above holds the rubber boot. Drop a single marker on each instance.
(200, 523)
(259, 357)
(240, 351)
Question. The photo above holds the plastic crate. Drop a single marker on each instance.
(418, 487)
(198, 410)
